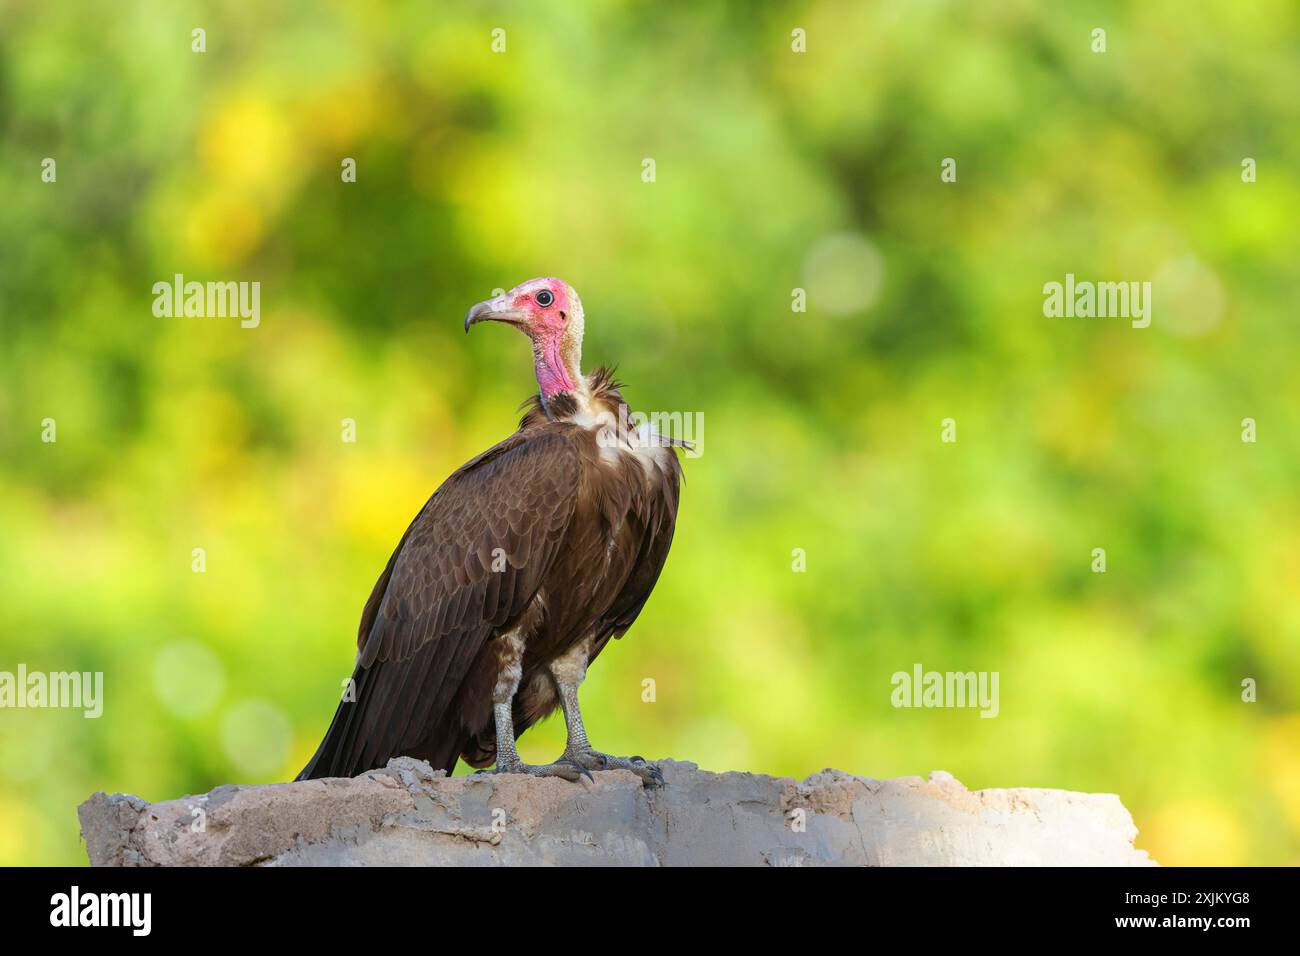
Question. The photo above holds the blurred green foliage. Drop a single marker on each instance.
(774, 170)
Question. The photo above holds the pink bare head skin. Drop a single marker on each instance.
(549, 312)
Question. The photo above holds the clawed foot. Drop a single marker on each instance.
(563, 767)
(595, 760)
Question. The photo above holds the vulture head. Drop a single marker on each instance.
(549, 312)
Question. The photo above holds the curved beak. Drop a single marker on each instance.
(496, 310)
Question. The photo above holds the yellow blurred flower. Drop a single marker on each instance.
(1194, 833)
(377, 496)
(1280, 765)
(246, 144)
(18, 826)
(341, 115)
(223, 228)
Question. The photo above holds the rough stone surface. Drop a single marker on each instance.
(410, 815)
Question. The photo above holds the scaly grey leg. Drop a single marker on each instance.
(510, 652)
(508, 754)
(569, 672)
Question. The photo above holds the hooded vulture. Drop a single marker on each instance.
(514, 575)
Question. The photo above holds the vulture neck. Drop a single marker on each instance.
(557, 367)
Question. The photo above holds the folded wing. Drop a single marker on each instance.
(468, 565)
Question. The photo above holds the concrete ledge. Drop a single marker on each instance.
(408, 815)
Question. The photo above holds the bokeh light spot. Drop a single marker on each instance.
(843, 273)
(188, 678)
(256, 736)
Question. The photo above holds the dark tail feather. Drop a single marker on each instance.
(342, 752)
(327, 762)
(322, 762)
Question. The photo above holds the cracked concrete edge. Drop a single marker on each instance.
(410, 814)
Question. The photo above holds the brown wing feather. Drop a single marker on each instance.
(657, 514)
(439, 600)
(653, 510)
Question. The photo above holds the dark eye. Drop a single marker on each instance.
(545, 298)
